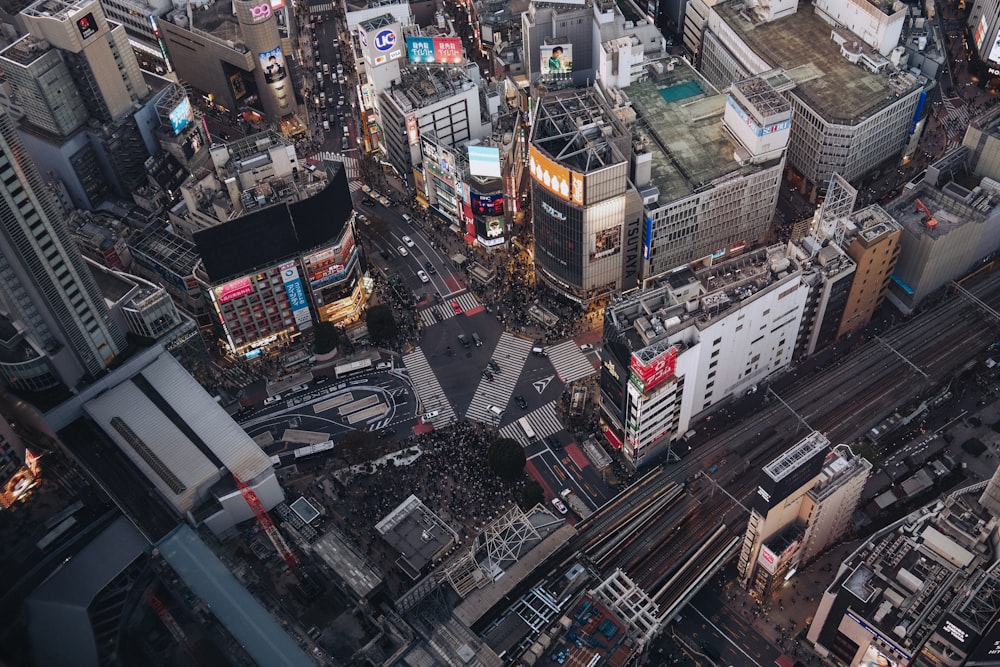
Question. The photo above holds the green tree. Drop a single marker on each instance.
(327, 337)
(381, 323)
(532, 494)
(506, 458)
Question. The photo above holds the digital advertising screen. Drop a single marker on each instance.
(447, 50)
(607, 242)
(556, 59)
(484, 161)
(181, 115)
(487, 204)
(273, 64)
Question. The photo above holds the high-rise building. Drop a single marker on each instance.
(804, 502)
(673, 351)
(586, 216)
(57, 328)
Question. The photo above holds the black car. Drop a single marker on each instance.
(521, 403)
(494, 365)
(368, 202)
(487, 374)
(430, 268)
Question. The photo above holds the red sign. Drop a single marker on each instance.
(654, 372)
(447, 49)
(233, 290)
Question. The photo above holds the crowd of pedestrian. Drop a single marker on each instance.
(451, 477)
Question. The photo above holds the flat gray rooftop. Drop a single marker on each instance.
(689, 144)
(801, 44)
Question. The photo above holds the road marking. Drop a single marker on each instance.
(540, 385)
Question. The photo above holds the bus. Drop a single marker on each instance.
(526, 427)
(353, 368)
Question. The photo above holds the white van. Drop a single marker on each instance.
(496, 410)
(407, 217)
(326, 68)
(326, 125)
(538, 352)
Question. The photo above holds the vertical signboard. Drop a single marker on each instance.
(420, 49)
(296, 295)
(648, 374)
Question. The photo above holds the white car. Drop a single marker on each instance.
(423, 277)
(272, 399)
(402, 251)
(430, 415)
(558, 504)
(408, 241)
(299, 387)
(383, 366)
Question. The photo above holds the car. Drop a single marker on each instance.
(270, 400)
(487, 374)
(384, 200)
(344, 144)
(558, 504)
(340, 79)
(408, 241)
(368, 202)
(423, 277)
(430, 268)
(553, 442)
(366, 188)
(383, 366)
(340, 101)
(463, 340)
(402, 251)
(408, 217)
(456, 308)
(494, 365)
(521, 403)
(297, 388)
(430, 415)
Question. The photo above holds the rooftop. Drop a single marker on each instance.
(950, 207)
(26, 50)
(416, 533)
(792, 458)
(801, 44)
(576, 128)
(591, 631)
(217, 19)
(165, 247)
(420, 87)
(872, 223)
(680, 123)
(653, 314)
(59, 9)
(358, 572)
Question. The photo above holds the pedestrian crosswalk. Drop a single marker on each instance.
(544, 422)
(510, 355)
(428, 390)
(466, 300)
(570, 363)
(350, 163)
(956, 115)
(321, 9)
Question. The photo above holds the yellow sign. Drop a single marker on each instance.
(557, 179)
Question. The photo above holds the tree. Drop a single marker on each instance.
(532, 494)
(327, 337)
(381, 323)
(506, 458)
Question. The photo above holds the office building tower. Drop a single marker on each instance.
(57, 328)
(586, 216)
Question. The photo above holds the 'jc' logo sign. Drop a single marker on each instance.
(261, 11)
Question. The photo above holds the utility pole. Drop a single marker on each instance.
(802, 421)
(908, 362)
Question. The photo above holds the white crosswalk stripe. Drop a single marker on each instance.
(510, 354)
(544, 422)
(427, 388)
(320, 9)
(570, 363)
(350, 163)
(466, 300)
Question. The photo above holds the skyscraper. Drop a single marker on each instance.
(54, 325)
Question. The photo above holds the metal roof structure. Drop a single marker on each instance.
(574, 127)
(173, 431)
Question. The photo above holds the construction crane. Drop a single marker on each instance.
(168, 620)
(931, 221)
(265, 522)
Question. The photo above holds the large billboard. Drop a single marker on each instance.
(272, 63)
(557, 179)
(648, 374)
(233, 290)
(767, 559)
(484, 161)
(296, 295)
(981, 32)
(447, 49)
(181, 115)
(995, 50)
(607, 242)
(420, 49)
(487, 204)
(440, 50)
(556, 60)
(381, 45)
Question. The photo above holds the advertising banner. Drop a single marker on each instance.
(412, 130)
(296, 295)
(181, 115)
(995, 51)
(767, 559)
(557, 179)
(484, 161)
(487, 204)
(420, 49)
(273, 65)
(607, 242)
(233, 290)
(981, 32)
(648, 375)
(447, 50)
(556, 60)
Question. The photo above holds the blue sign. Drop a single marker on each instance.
(296, 295)
(420, 49)
(385, 40)
(647, 251)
